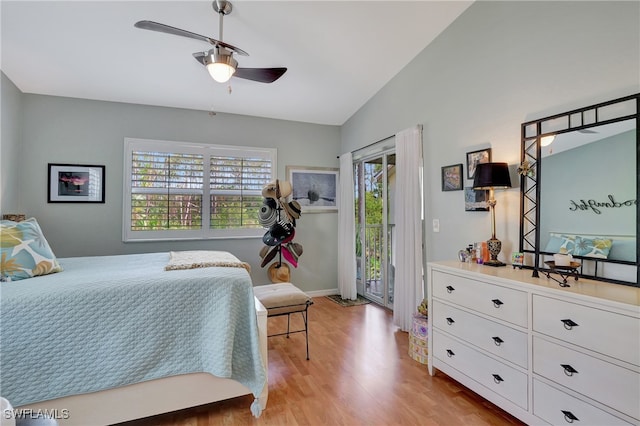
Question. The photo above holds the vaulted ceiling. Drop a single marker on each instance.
(338, 53)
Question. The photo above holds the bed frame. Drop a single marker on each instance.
(153, 397)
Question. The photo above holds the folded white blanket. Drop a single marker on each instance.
(203, 259)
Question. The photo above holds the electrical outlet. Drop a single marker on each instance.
(436, 225)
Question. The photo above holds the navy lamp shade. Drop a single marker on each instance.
(490, 176)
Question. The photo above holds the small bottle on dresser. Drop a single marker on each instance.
(479, 257)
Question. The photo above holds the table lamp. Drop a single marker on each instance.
(490, 176)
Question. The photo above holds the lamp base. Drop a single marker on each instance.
(494, 246)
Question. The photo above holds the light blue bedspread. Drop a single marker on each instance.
(110, 321)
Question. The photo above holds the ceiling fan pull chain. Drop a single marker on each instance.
(229, 89)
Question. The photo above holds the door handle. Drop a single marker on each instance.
(568, 370)
(569, 417)
(568, 324)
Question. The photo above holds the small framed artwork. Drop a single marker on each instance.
(476, 157)
(517, 260)
(75, 183)
(315, 188)
(452, 178)
(475, 200)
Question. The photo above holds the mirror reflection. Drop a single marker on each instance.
(588, 196)
(579, 176)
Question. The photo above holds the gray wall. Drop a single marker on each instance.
(596, 170)
(65, 130)
(10, 137)
(498, 65)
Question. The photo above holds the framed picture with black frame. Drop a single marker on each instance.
(476, 200)
(452, 177)
(476, 157)
(75, 183)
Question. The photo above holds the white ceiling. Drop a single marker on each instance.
(338, 53)
(571, 140)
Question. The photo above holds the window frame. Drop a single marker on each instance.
(205, 232)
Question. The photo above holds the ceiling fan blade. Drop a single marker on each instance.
(200, 57)
(162, 28)
(167, 29)
(262, 75)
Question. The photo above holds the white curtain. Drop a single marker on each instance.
(347, 231)
(409, 288)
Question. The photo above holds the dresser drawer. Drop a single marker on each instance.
(492, 374)
(611, 385)
(500, 302)
(558, 408)
(598, 330)
(498, 339)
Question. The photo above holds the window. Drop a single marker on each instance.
(179, 190)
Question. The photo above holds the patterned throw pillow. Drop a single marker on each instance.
(592, 247)
(553, 246)
(24, 250)
(568, 245)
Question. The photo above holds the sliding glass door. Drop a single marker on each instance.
(375, 244)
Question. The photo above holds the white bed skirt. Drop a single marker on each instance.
(153, 397)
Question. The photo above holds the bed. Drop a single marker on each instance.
(114, 338)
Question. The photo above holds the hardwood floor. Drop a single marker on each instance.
(359, 373)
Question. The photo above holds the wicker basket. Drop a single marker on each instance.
(418, 339)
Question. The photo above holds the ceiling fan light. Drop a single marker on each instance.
(220, 65)
(547, 140)
(220, 72)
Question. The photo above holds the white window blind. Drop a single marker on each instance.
(166, 191)
(236, 190)
(178, 190)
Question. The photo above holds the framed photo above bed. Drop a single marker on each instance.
(315, 188)
(75, 183)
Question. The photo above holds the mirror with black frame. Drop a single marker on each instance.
(579, 192)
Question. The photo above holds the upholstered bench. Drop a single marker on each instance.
(285, 299)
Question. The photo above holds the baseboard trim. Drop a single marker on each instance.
(320, 293)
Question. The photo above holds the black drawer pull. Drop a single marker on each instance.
(568, 370)
(568, 324)
(498, 341)
(450, 353)
(497, 303)
(450, 289)
(450, 321)
(497, 379)
(569, 417)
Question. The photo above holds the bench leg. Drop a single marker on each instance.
(305, 318)
(305, 315)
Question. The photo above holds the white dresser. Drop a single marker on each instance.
(545, 354)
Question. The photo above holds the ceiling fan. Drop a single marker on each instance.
(219, 60)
